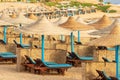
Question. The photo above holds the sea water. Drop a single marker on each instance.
(113, 1)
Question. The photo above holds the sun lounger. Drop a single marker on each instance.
(75, 59)
(78, 43)
(105, 59)
(104, 76)
(101, 48)
(21, 45)
(40, 66)
(8, 56)
(2, 41)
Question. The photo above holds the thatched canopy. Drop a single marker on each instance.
(61, 20)
(112, 39)
(71, 23)
(79, 19)
(21, 19)
(105, 30)
(32, 16)
(13, 15)
(3, 23)
(43, 26)
(105, 21)
(4, 17)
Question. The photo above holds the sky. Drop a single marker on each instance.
(113, 1)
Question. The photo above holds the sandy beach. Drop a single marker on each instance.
(8, 72)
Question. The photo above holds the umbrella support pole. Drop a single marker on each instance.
(117, 61)
(5, 30)
(20, 38)
(72, 42)
(42, 48)
(78, 36)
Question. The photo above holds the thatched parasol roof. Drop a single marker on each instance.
(105, 30)
(32, 16)
(13, 15)
(3, 23)
(105, 21)
(71, 23)
(43, 26)
(21, 19)
(60, 20)
(112, 39)
(4, 17)
(79, 19)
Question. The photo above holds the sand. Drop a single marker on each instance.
(8, 72)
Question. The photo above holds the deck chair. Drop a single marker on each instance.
(80, 43)
(101, 48)
(75, 59)
(46, 66)
(104, 76)
(7, 56)
(2, 41)
(21, 45)
(60, 68)
(105, 59)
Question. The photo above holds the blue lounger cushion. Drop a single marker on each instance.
(8, 56)
(50, 63)
(57, 65)
(84, 57)
(25, 45)
(106, 76)
(33, 62)
(6, 53)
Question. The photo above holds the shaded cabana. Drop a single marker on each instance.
(105, 21)
(72, 24)
(105, 30)
(112, 40)
(43, 27)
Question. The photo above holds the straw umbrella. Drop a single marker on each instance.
(112, 39)
(43, 27)
(102, 23)
(32, 16)
(60, 20)
(105, 30)
(13, 15)
(5, 17)
(79, 19)
(72, 24)
(21, 19)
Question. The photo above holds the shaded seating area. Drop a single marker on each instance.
(7, 56)
(104, 76)
(75, 59)
(21, 45)
(42, 66)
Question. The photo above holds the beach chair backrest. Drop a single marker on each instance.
(15, 42)
(105, 59)
(105, 76)
(31, 61)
